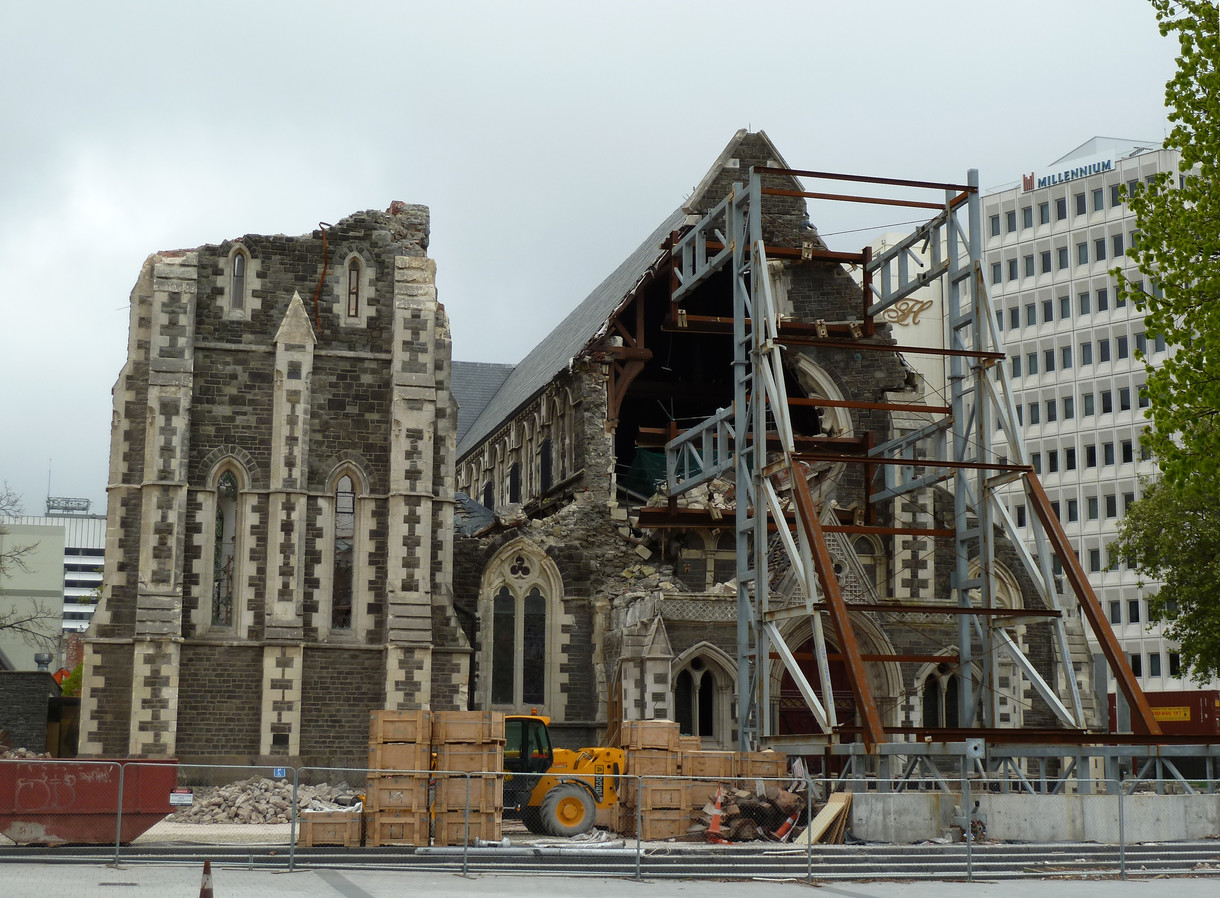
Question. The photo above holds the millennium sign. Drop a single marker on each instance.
(1071, 174)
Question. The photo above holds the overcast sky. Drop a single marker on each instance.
(547, 138)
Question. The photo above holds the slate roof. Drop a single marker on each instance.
(470, 517)
(586, 322)
(473, 384)
(565, 342)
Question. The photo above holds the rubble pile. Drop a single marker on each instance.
(261, 800)
(736, 815)
(23, 754)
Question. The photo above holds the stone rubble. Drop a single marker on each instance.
(23, 754)
(261, 800)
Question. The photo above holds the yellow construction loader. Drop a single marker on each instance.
(556, 791)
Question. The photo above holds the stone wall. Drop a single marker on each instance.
(27, 700)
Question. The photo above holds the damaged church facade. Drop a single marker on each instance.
(313, 513)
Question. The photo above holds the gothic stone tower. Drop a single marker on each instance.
(280, 512)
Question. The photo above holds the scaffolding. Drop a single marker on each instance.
(959, 447)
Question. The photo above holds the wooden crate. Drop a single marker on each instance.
(465, 757)
(659, 793)
(650, 734)
(665, 823)
(385, 828)
(330, 828)
(763, 764)
(450, 828)
(486, 794)
(649, 762)
(400, 726)
(708, 764)
(690, 743)
(480, 727)
(397, 794)
(409, 756)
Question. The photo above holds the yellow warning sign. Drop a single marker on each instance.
(1179, 714)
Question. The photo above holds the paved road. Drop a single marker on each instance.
(19, 880)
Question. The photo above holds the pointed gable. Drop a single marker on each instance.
(296, 327)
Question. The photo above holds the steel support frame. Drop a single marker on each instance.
(760, 409)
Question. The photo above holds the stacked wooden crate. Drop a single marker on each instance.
(658, 805)
(331, 828)
(469, 749)
(396, 794)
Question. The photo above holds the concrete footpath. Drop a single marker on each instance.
(19, 880)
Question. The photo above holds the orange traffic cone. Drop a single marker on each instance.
(714, 833)
(205, 889)
(785, 828)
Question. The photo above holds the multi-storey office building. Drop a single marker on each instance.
(1072, 347)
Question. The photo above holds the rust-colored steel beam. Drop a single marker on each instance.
(912, 462)
(862, 179)
(866, 706)
(911, 659)
(1141, 715)
(775, 251)
(852, 198)
(870, 406)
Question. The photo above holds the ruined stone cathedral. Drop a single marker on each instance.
(314, 513)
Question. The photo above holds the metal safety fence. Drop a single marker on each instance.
(643, 826)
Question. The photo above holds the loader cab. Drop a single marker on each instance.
(527, 745)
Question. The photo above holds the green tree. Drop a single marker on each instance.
(1172, 535)
(1178, 254)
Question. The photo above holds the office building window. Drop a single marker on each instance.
(1044, 213)
(1055, 510)
(1099, 249)
(1124, 399)
(1116, 245)
(1128, 451)
(1033, 413)
(1159, 343)
(1091, 505)
(1083, 301)
(1132, 186)
(1133, 611)
(1087, 400)
(1094, 560)
(1128, 499)
(1103, 350)
(1048, 311)
(1052, 410)
(1020, 510)
(1144, 401)
(1014, 317)
(999, 320)
(1175, 664)
(1136, 667)
(1015, 366)
(1086, 353)
(1082, 254)
(1069, 458)
(1036, 461)
(1116, 191)
(995, 226)
(1123, 349)
(1107, 402)
(1061, 208)
(1069, 409)
(1012, 269)
(1107, 454)
(1010, 219)
(1081, 205)
(1031, 364)
(1154, 664)
(996, 270)
(1103, 299)
(1031, 314)
(1111, 506)
(1065, 357)
(1020, 412)
(1073, 510)
(1065, 307)
(1090, 456)
(1029, 265)
(1052, 466)
(1048, 360)
(1099, 200)
(1141, 343)
(1063, 257)
(1027, 217)
(1046, 261)
(1116, 612)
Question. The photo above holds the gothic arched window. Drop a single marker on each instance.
(224, 553)
(353, 288)
(341, 565)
